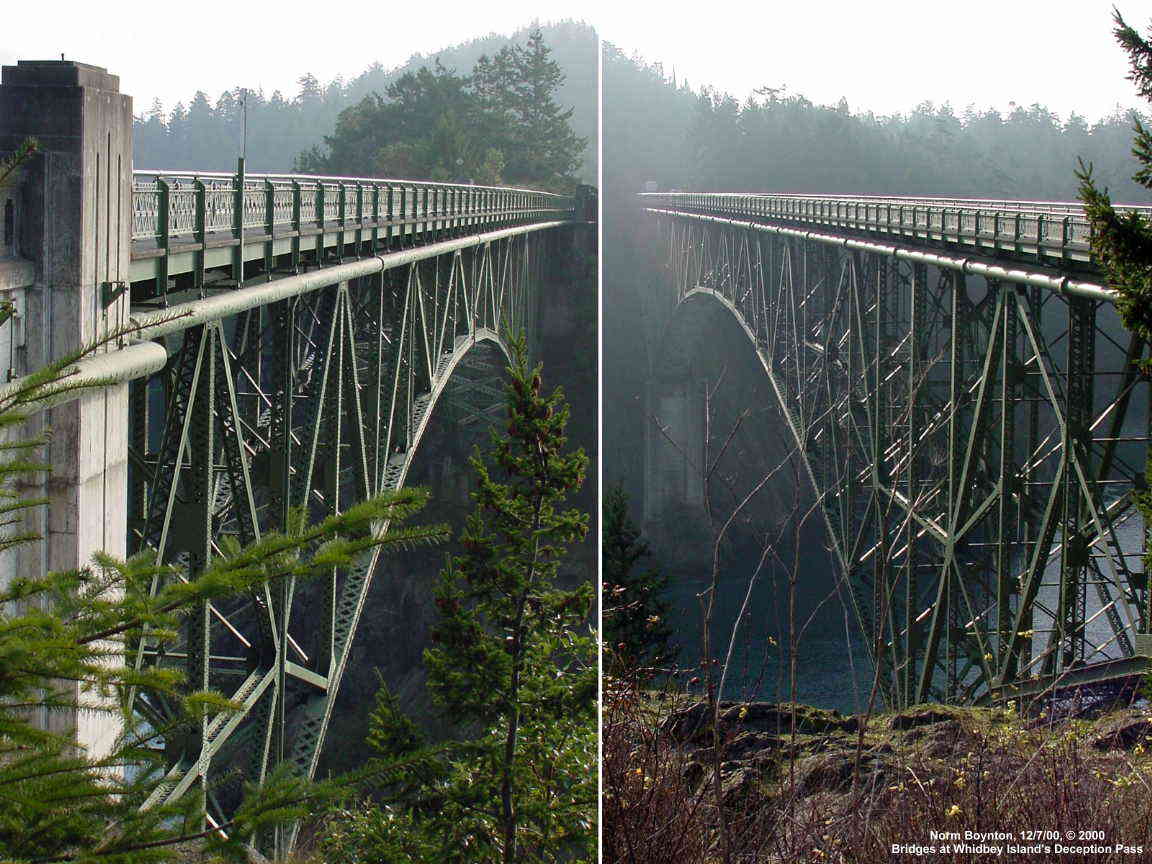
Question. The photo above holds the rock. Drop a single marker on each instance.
(690, 725)
(748, 745)
(777, 718)
(687, 725)
(825, 772)
(831, 772)
(942, 739)
(1123, 733)
(919, 717)
(740, 787)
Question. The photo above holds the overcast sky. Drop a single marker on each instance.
(885, 56)
(889, 55)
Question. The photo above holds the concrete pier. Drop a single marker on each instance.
(674, 435)
(75, 207)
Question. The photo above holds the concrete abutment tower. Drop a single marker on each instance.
(75, 209)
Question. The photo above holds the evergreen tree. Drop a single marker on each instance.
(499, 124)
(1122, 241)
(282, 128)
(541, 147)
(62, 804)
(513, 668)
(636, 630)
(508, 655)
(427, 128)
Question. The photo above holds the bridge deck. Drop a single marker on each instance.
(1053, 233)
(184, 223)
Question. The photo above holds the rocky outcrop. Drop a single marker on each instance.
(1127, 731)
(689, 725)
(826, 753)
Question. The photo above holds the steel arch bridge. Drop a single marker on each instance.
(290, 337)
(309, 391)
(970, 412)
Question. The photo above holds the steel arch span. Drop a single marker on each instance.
(976, 437)
(314, 401)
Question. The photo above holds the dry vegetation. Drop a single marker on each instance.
(801, 784)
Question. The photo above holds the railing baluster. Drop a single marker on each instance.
(200, 233)
(163, 229)
(391, 230)
(269, 227)
(297, 202)
(375, 218)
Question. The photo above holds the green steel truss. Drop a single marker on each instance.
(315, 400)
(976, 443)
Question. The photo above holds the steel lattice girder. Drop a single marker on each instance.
(974, 442)
(312, 400)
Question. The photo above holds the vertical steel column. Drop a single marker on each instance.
(951, 615)
(402, 215)
(163, 234)
(887, 661)
(296, 225)
(1006, 583)
(280, 480)
(138, 461)
(375, 241)
(1077, 436)
(201, 491)
(1031, 528)
(341, 220)
(238, 223)
(200, 233)
(269, 229)
(319, 239)
(917, 298)
(334, 412)
(390, 231)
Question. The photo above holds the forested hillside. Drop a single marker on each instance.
(205, 133)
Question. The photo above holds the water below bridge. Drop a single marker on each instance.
(833, 669)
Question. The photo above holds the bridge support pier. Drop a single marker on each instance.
(674, 437)
(75, 222)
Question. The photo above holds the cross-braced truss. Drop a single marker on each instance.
(976, 444)
(314, 402)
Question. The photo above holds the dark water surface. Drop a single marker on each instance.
(832, 666)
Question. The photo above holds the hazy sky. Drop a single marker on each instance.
(889, 55)
(886, 56)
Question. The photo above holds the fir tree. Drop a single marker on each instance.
(509, 656)
(517, 89)
(498, 124)
(1122, 242)
(549, 149)
(636, 630)
(512, 668)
